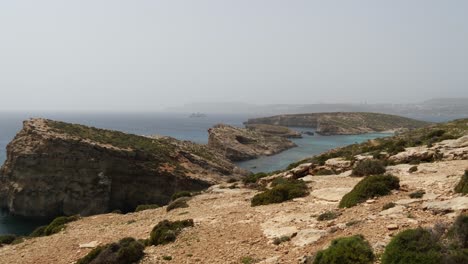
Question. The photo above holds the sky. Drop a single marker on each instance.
(146, 55)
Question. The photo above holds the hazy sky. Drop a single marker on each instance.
(138, 55)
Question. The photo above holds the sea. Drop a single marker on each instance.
(177, 125)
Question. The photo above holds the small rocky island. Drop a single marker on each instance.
(238, 144)
(55, 168)
(342, 123)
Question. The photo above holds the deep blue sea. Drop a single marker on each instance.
(179, 126)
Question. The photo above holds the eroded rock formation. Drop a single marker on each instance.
(55, 168)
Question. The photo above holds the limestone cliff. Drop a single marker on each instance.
(341, 123)
(55, 168)
(239, 144)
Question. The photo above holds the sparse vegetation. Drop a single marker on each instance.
(143, 207)
(352, 249)
(368, 167)
(462, 186)
(279, 240)
(282, 190)
(329, 215)
(253, 178)
(247, 260)
(421, 246)
(179, 203)
(177, 195)
(413, 246)
(388, 206)
(166, 231)
(54, 227)
(126, 251)
(417, 194)
(323, 172)
(7, 239)
(416, 137)
(371, 186)
(167, 258)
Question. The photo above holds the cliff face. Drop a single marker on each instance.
(239, 144)
(54, 168)
(342, 123)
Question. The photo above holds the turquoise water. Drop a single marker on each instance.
(175, 125)
(307, 146)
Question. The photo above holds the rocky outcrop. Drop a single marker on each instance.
(341, 123)
(239, 144)
(273, 130)
(55, 168)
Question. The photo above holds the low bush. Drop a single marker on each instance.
(54, 227)
(459, 231)
(127, 250)
(177, 195)
(166, 231)
(413, 246)
(371, 186)
(413, 169)
(143, 207)
(7, 239)
(167, 258)
(388, 206)
(323, 172)
(279, 240)
(179, 203)
(330, 215)
(345, 250)
(417, 194)
(462, 186)
(253, 178)
(282, 190)
(368, 167)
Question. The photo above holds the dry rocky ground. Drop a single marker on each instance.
(227, 229)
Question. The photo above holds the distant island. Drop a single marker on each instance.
(342, 123)
(197, 115)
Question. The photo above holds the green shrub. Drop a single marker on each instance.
(179, 203)
(459, 231)
(371, 186)
(346, 250)
(323, 172)
(247, 260)
(177, 195)
(413, 169)
(279, 240)
(462, 186)
(143, 207)
(417, 194)
(253, 178)
(369, 167)
(40, 231)
(7, 239)
(330, 215)
(456, 256)
(167, 258)
(58, 224)
(166, 231)
(282, 190)
(388, 206)
(54, 227)
(413, 246)
(127, 250)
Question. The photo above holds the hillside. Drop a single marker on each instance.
(229, 228)
(342, 123)
(55, 168)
